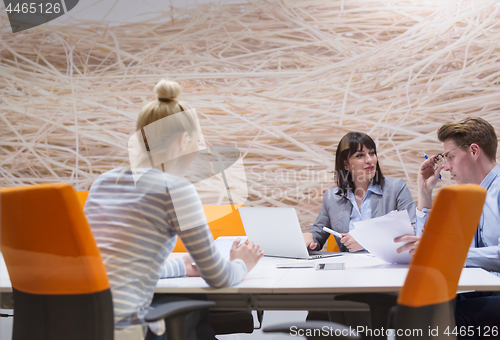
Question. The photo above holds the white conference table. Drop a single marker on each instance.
(269, 288)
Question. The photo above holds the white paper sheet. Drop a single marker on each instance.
(224, 243)
(377, 235)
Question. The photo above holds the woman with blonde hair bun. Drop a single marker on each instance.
(136, 214)
(166, 104)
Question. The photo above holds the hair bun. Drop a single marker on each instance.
(167, 89)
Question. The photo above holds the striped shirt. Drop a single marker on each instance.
(135, 226)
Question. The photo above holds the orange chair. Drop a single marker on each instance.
(431, 285)
(82, 197)
(332, 244)
(426, 299)
(59, 281)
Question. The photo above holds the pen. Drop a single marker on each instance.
(427, 157)
(333, 232)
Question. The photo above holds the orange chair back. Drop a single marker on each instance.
(82, 197)
(223, 220)
(47, 243)
(436, 267)
(332, 244)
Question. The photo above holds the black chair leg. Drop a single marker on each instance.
(380, 307)
(175, 326)
(174, 314)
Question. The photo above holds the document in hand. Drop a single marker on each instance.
(377, 235)
(224, 243)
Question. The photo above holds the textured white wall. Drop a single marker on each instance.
(128, 11)
(280, 80)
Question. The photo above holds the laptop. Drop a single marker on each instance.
(277, 232)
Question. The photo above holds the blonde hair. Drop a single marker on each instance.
(165, 105)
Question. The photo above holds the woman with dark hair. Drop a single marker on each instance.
(362, 193)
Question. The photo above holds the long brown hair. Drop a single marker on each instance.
(349, 145)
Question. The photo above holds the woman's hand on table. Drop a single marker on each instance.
(248, 252)
(191, 270)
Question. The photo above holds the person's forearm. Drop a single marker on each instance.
(173, 268)
(424, 199)
(319, 236)
(214, 269)
(421, 220)
(487, 258)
